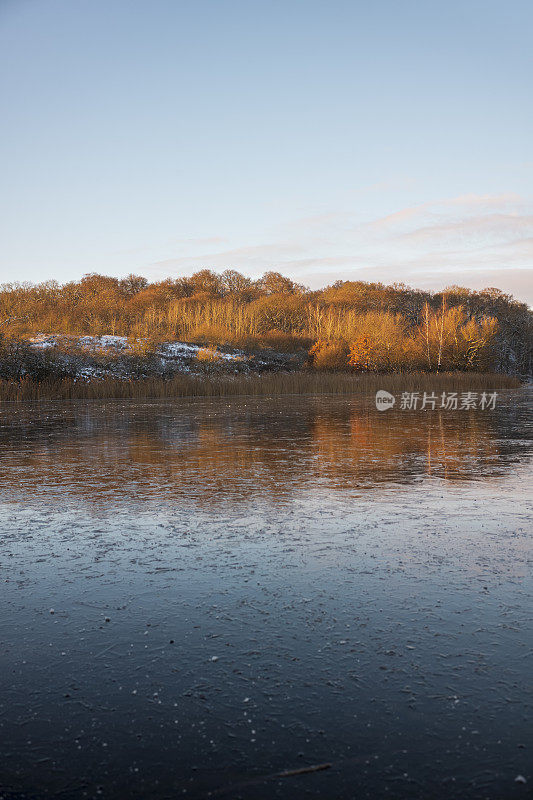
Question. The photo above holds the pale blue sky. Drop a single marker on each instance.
(387, 140)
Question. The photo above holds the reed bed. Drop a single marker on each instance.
(282, 383)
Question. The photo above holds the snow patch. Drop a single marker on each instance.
(105, 342)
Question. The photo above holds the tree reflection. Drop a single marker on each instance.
(209, 452)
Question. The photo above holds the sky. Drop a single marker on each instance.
(343, 139)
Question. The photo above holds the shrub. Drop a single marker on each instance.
(364, 354)
(208, 354)
(329, 355)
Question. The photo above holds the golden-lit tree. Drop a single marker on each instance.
(388, 328)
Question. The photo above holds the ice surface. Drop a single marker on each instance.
(243, 588)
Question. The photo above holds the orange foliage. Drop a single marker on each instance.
(363, 354)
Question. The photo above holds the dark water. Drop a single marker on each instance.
(248, 587)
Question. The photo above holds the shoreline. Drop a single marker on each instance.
(277, 384)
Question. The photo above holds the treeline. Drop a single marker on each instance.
(349, 325)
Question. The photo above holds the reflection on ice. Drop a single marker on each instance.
(208, 452)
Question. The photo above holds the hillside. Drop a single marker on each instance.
(352, 326)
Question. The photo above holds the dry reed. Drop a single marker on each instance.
(281, 383)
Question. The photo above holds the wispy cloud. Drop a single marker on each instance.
(486, 200)
(473, 239)
(472, 232)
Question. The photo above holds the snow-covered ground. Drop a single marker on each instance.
(44, 341)
(110, 355)
(104, 342)
(185, 350)
(113, 344)
(97, 357)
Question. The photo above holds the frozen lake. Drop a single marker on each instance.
(198, 596)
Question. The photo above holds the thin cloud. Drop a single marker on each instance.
(487, 200)
(424, 244)
(497, 227)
